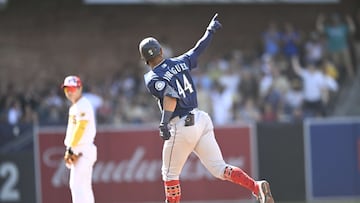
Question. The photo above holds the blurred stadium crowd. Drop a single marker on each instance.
(259, 84)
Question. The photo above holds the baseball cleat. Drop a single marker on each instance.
(264, 192)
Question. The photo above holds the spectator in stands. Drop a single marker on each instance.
(330, 83)
(271, 39)
(204, 84)
(129, 83)
(329, 68)
(265, 81)
(268, 114)
(14, 113)
(54, 101)
(117, 118)
(52, 108)
(203, 79)
(272, 85)
(249, 111)
(314, 48)
(338, 33)
(357, 36)
(249, 86)
(31, 97)
(230, 78)
(105, 111)
(236, 60)
(204, 98)
(293, 101)
(134, 113)
(280, 82)
(290, 41)
(222, 104)
(30, 116)
(93, 94)
(121, 103)
(313, 88)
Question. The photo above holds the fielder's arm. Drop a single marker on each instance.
(78, 132)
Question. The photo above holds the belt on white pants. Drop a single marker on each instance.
(177, 118)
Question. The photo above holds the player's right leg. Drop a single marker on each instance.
(176, 151)
(172, 191)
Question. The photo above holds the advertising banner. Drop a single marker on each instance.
(129, 163)
(332, 158)
(17, 177)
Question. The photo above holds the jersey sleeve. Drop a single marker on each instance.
(83, 117)
(155, 84)
(193, 54)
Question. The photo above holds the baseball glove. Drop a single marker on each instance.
(70, 157)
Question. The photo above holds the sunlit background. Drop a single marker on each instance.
(299, 131)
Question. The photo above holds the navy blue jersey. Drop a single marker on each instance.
(175, 73)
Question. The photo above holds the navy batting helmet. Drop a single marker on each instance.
(149, 48)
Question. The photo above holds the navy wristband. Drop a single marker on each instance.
(166, 116)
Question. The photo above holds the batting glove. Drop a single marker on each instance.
(214, 24)
(164, 131)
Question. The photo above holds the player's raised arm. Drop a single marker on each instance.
(296, 65)
(214, 24)
(205, 40)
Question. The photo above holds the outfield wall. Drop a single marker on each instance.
(129, 162)
(281, 159)
(314, 160)
(332, 160)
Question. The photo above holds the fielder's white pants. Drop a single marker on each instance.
(81, 176)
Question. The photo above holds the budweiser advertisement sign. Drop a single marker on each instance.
(129, 162)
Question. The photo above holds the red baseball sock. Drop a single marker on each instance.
(238, 176)
(172, 191)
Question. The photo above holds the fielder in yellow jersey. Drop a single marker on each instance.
(81, 152)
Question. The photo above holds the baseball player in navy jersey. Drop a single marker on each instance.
(81, 152)
(183, 127)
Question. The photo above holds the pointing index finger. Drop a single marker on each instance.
(215, 16)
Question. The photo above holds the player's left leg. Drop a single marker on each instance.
(210, 155)
(238, 176)
(264, 195)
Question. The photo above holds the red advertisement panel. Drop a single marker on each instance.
(129, 163)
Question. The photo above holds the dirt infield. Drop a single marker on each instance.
(242, 201)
